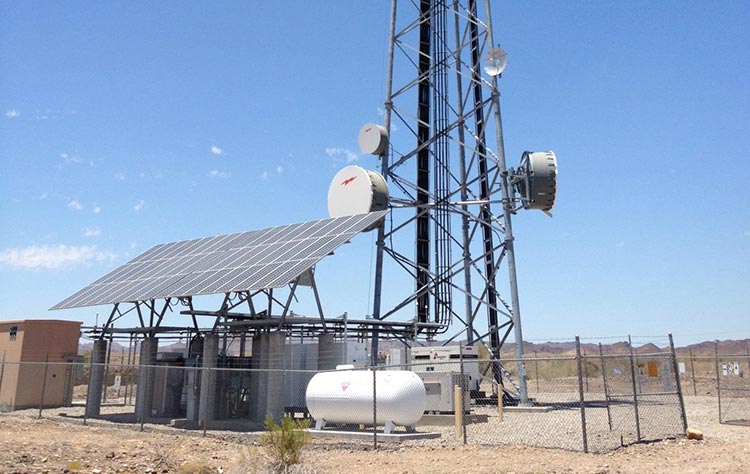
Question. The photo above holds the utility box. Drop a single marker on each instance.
(448, 359)
(25, 345)
(439, 387)
(169, 378)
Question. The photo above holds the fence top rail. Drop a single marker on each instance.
(712, 357)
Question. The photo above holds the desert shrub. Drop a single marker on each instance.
(284, 441)
(195, 468)
(74, 466)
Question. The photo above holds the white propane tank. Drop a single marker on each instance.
(345, 396)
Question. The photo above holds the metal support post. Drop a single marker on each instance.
(44, 384)
(635, 392)
(582, 402)
(606, 389)
(374, 408)
(106, 368)
(692, 373)
(586, 371)
(2, 371)
(718, 382)
(464, 387)
(378, 289)
(507, 212)
(679, 385)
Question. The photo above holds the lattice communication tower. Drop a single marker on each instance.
(444, 163)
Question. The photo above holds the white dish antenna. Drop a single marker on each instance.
(355, 190)
(497, 59)
(373, 139)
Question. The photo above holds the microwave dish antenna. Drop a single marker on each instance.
(536, 180)
(497, 59)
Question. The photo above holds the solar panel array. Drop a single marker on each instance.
(246, 261)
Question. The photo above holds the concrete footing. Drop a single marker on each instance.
(267, 377)
(327, 359)
(144, 401)
(96, 378)
(207, 406)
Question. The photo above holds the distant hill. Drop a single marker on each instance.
(708, 348)
(117, 348)
(531, 349)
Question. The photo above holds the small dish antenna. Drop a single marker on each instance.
(497, 59)
(373, 139)
(536, 180)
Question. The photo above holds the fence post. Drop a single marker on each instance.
(536, 371)
(122, 372)
(463, 385)
(2, 371)
(606, 390)
(458, 409)
(106, 368)
(679, 385)
(205, 377)
(374, 408)
(586, 370)
(139, 400)
(718, 383)
(44, 384)
(580, 396)
(692, 373)
(635, 392)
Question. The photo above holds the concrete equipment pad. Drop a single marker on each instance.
(450, 420)
(520, 409)
(367, 435)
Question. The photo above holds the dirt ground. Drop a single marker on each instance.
(62, 444)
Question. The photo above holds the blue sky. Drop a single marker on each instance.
(128, 124)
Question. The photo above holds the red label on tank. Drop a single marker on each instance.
(344, 386)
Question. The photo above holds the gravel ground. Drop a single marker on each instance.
(62, 444)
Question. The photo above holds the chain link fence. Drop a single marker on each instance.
(587, 401)
(724, 376)
(733, 389)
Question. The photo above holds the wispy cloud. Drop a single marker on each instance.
(97, 209)
(216, 150)
(75, 205)
(280, 169)
(92, 232)
(264, 175)
(68, 159)
(48, 256)
(139, 205)
(120, 176)
(12, 113)
(345, 153)
(216, 174)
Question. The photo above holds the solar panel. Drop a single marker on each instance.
(245, 261)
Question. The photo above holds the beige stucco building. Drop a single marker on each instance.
(24, 347)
